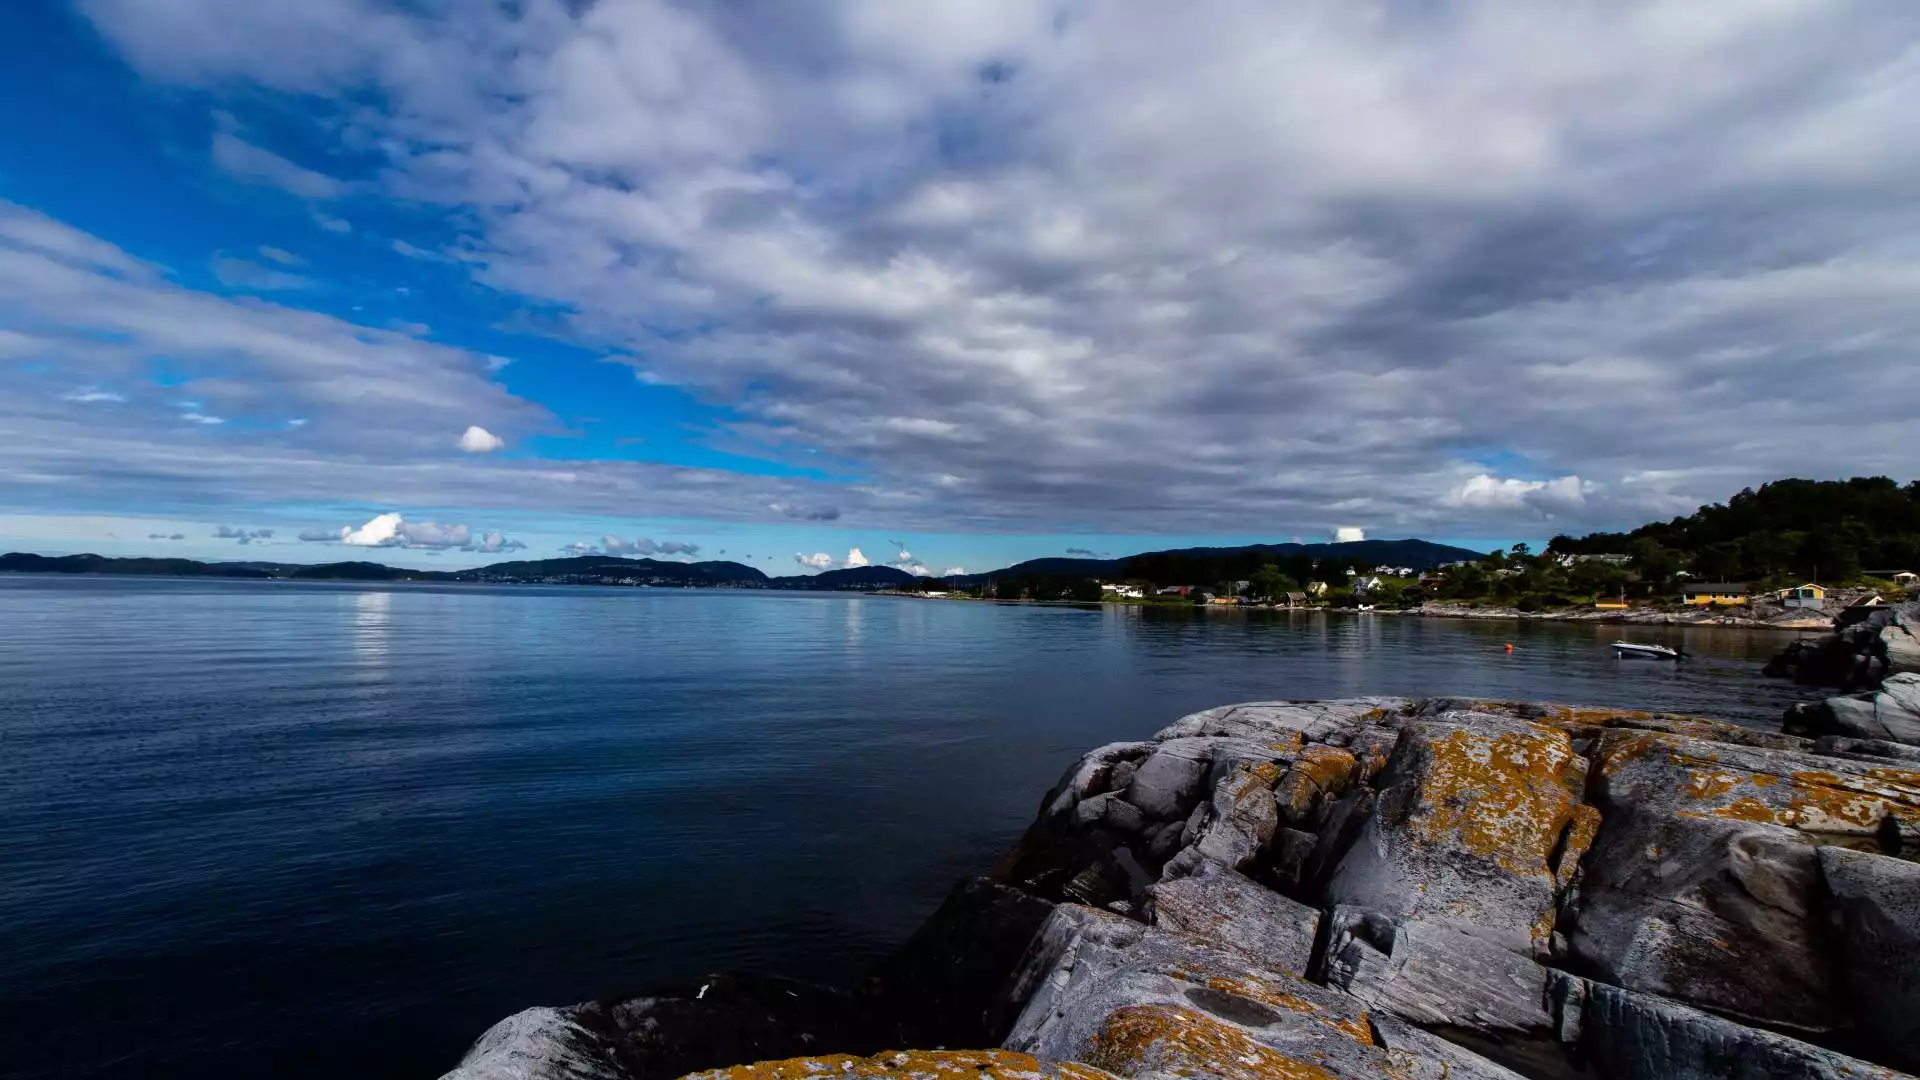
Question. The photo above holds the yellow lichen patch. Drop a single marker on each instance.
(1572, 716)
(1175, 1041)
(1583, 824)
(1287, 742)
(1354, 1027)
(1329, 767)
(1708, 783)
(910, 1065)
(1503, 799)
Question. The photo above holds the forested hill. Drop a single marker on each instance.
(1181, 566)
(1830, 530)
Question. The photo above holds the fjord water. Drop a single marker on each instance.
(259, 828)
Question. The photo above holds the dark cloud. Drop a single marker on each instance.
(244, 536)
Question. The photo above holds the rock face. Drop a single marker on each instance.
(1891, 714)
(1375, 888)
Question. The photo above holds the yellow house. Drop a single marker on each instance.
(1803, 596)
(1708, 593)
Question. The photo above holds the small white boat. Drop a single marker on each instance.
(1651, 652)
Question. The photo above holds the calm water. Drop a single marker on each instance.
(322, 830)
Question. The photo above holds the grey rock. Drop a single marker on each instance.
(1473, 809)
(1092, 810)
(1418, 1055)
(1242, 818)
(1292, 853)
(1168, 782)
(1625, 1035)
(1865, 749)
(1152, 1005)
(1316, 721)
(1124, 816)
(538, 1044)
(1228, 909)
(1876, 901)
(1090, 776)
(1437, 976)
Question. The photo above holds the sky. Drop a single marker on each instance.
(941, 285)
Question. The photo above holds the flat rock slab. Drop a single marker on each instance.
(1229, 909)
(1436, 976)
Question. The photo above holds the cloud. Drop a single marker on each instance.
(953, 571)
(854, 558)
(333, 224)
(246, 274)
(614, 545)
(244, 161)
(201, 418)
(1082, 553)
(893, 243)
(394, 530)
(230, 532)
(478, 440)
(819, 560)
(1545, 497)
(89, 395)
(166, 536)
(1347, 534)
(806, 513)
(281, 256)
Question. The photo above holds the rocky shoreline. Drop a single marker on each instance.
(1369, 888)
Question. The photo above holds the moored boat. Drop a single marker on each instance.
(1651, 652)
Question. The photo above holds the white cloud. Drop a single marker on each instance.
(247, 274)
(333, 224)
(91, 395)
(1546, 497)
(201, 418)
(231, 532)
(953, 571)
(819, 560)
(1347, 534)
(392, 529)
(281, 256)
(245, 161)
(614, 545)
(478, 440)
(382, 531)
(854, 558)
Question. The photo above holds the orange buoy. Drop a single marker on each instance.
(1509, 646)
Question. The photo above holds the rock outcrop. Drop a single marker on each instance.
(1890, 714)
(1378, 887)
(1867, 645)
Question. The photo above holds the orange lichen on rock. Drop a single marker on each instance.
(1172, 1040)
(1287, 742)
(1329, 767)
(1504, 799)
(910, 1065)
(1583, 825)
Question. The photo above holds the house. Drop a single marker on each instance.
(1296, 599)
(1906, 579)
(1803, 596)
(1120, 591)
(1173, 590)
(1317, 589)
(1710, 593)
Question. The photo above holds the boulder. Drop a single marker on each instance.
(1876, 906)
(941, 987)
(1476, 814)
(1623, 1035)
(1230, 910)
(1091, 775)
(1286, 724)
(1168, 782)
(1891, 714)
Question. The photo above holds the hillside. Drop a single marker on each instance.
(859, 577)
(1185, 566)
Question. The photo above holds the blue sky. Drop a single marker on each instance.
(990, 282)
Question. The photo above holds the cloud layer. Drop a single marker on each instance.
(392, 530)
(1451, 269)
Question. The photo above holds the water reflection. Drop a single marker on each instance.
(372, 627)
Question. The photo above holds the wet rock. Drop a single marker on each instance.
(911, 1065)
(1473, 810)
(1891, 714)
(1623, 1035)
(1233, 911)
(1876, 905)
(539, 1044)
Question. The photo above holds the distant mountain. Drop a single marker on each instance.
(21, 562)
(611, 569)
(1418, 554)
(859, 577)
